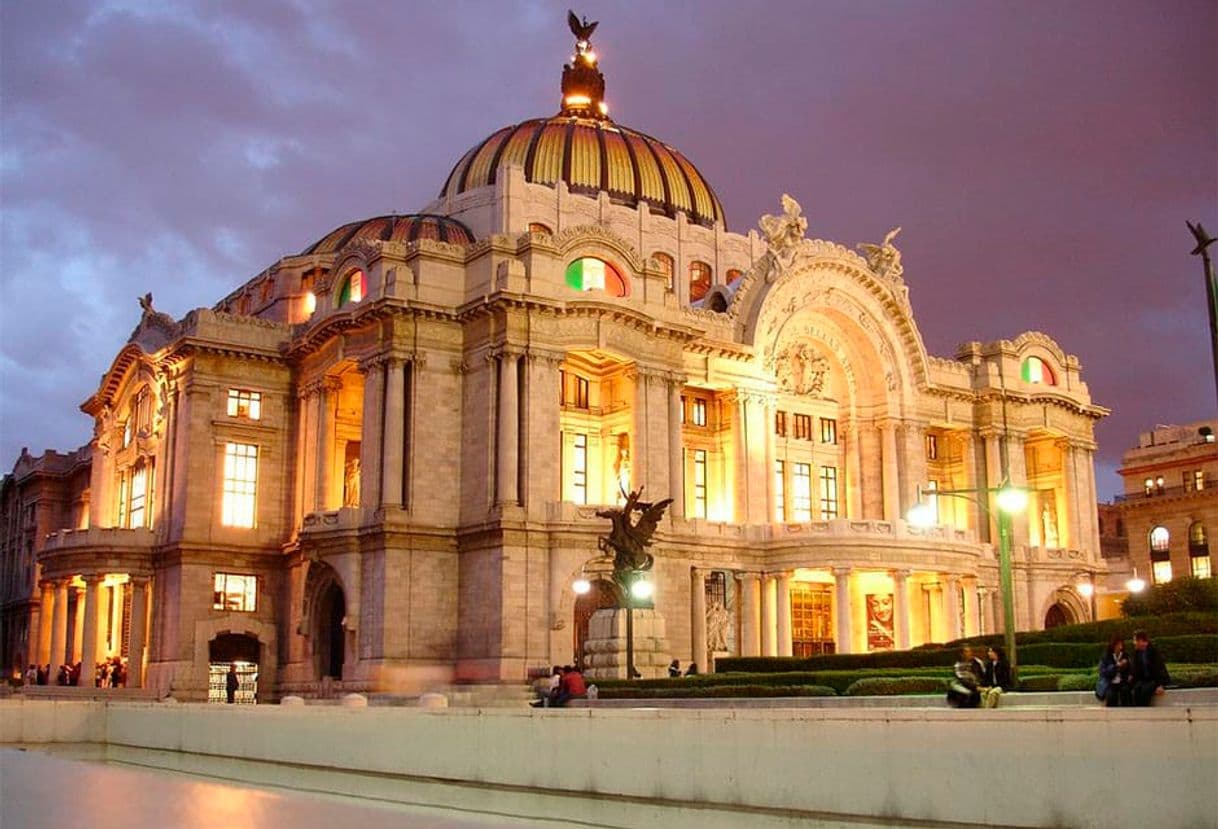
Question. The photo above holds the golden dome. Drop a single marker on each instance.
(394, 229)
(584, 148)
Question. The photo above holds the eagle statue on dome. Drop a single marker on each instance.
(581, 29)
(884, 258)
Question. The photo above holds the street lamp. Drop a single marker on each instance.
(633, 587)
(1009, 500)
(1086, 588)
(1135, 585)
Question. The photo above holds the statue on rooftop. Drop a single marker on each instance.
(884, 258)
(784, 234)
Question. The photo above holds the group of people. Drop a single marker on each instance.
(109, 673)
(979, 682)
(674, 668)
(566, 683)
(1136, 680)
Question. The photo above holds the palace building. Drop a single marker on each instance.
(376, 465)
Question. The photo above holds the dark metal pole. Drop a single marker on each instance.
(1204, 240)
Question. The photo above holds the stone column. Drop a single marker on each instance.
(740, 472)
(78, 628)
(88, 657)
(985, 598)
(59, 628)
(953, 607)
(841, 578)
(638, 429)
(371, 432)
(697, 619)
(993, 477)
(508, 429)
(771, 457)
(892, 484)
(46, 608)
(750, 615)
(139, 624)
(327, 403)
(913, 464)
(393, 459)
(972, 619)
(900, 608)
(968, 464)
(854, 472)
(1089, 526)
(300, 466)
(934, 612)
(767, 616)
(676, 459)
(784, 614)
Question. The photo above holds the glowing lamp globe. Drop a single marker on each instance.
(581, 586)
(921, 515)
(1012, 499)
(642, 589)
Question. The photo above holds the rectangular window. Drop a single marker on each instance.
(122, 500)
(139, 497)
(699, 483)
(828, 492)
(1160, 571)
(244, 403)
(240, 484)
(828, 430)
(801, 492)
(1201, 567)
(932, 500)
(579, 469)
(699, 412)
(234, 592)
(932, 447)
(1198, 479)
(581, 392)
(574, 390)
(684, 406)
(803, 427)
(780, 504)
(780, 424)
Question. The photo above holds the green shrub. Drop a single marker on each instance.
(719, 691)
(1173, 624)
(1078, 682)
(1175, 596)
(894, 686)
(1043, 682)
(1193, 676)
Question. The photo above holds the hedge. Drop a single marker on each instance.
(1182, 594)
(1172, 624)
(895, 686)
(719, 691)
(1195, 647)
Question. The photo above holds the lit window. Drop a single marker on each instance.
(1201, 567)
(780, 506)
(574, 390)
(828, 430)
(234, 592)
(801, 495)
(310, 303)
(803, 427)
(354, 289)
(699, 483)
(684, 406)
(733, 275)
(242, 403)
(122, 500)
(579, 469)
(139, 497)
(591, 274)
(667, 267)
(1196, 536)
(780, 424)
(538, 227)
(1149, 485)
(932, 447)
(932, 500)
(240, 483)
(828, 492)
(1036, 370)
(1160, 571)
(699, 280)
(1198, 479)
(1159, 540)
(699, 412)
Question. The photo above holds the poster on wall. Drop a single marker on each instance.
(879, 622)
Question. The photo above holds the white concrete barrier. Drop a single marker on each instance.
(1063, 767)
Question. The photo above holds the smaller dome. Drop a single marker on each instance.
(407, 228)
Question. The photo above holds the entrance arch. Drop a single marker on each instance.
(603, 595)
(330, 633)
(1058, 615)
(242, 650)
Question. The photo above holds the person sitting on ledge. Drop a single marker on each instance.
(571, 687)
(692, 670)
(1150, 678)
(964, 689)
(674, 668)
(997, 677)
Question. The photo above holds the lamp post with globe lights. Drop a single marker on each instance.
(1009, 501)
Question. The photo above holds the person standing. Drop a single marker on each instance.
(232, 683)
(1115, 672)
(1150, 678)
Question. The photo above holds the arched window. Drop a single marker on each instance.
(354, 289)
(1199, 551)
(538, 227)
(733, 275)
(1159, 539)
(699, 280)
(591, 274)
(1036, 370)
(668, 267)
(1196, 535)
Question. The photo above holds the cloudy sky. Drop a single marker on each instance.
(1041, 157)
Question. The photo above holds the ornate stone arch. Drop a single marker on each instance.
(318, 579)
(1068, 597)
(593, 240)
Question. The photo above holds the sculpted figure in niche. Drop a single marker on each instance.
(799, 369)
(784, 233)
(351, 483)
(1048, 519)
(884, 258)
(621, 466)
(717, 620)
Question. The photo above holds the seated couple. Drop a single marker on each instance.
(977, 682)
(1136, 680)
(566, 683)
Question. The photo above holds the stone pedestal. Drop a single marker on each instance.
(605, 648)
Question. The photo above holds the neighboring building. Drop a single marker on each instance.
(42, 495)
(1170, 503)
(375, 465)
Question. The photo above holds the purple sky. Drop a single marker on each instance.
(1041, 157)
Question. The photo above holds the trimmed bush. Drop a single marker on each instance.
(1174, 624)
(1044, 682)
(1177, 595)
(1078, 682)
(719, 691)
(1194, 676)
(894, 686)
